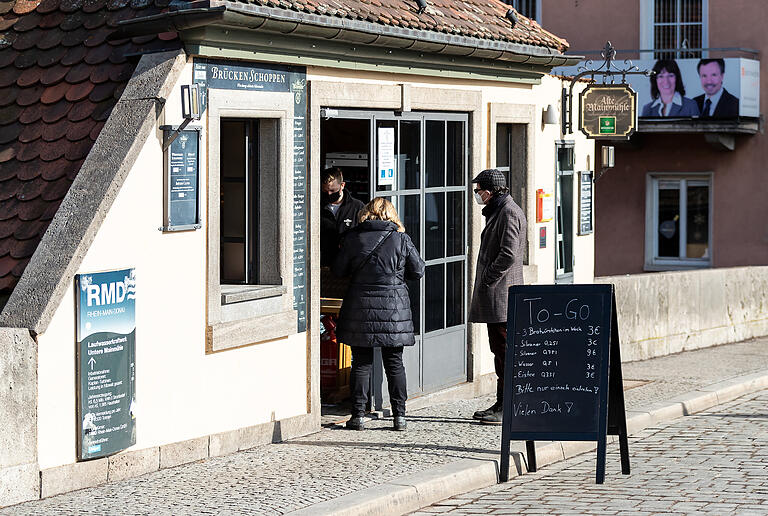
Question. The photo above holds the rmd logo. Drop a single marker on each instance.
(106, 293)
(115, 292)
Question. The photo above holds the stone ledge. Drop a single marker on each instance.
(133, 463)
(72, 477)
(175, 454)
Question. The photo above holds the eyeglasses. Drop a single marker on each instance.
(477, 190)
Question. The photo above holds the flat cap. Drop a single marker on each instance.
(489, 178)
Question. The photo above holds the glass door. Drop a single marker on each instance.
(564, 213)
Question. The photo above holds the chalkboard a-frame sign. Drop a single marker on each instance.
(562, 378)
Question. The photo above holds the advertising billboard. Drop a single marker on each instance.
(106, 349)
(717, 89)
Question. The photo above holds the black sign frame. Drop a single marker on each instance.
(177, 149)
(610, 412)
(631, 120)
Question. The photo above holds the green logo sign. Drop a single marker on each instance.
(607, 125)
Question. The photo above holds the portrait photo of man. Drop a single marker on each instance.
(715, 102)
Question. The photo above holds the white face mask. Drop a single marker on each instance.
(479, 199)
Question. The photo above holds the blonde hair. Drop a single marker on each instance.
(381, 209)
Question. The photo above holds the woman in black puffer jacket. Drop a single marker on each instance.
(378, 257)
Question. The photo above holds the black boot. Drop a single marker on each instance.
(494, 418)
(480, 414)
(400, 423)
(356, 423)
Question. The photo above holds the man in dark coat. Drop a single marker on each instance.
(716, 102)
(339, 212)
(499, 265)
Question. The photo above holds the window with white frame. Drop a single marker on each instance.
(678, 221)
(679, 25)
(528, 8)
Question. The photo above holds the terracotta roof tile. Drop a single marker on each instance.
(9, 133)
(98, 54)
(26, 60)
(31, 95)
(95, 20)
(79, 73)
(29, 211)
(8, 95)
(8, 20)
(72, 21)
(49, 39)
(9, 188)
(6, 265)
(75, 150)
(25, 6)
(77, 92)
(26, 40)
(31, 132)
(31, 114)
(74, 55)
(81, 111)
(33, 189)
(29, 151)
(54, 74)
(22, 248)
(55, 93)
(69, 6)
(51, 20)
(29, 76)
(7, 154)
(102, 92)
(50, 151)
(22, 264)
(6, 6)
(56, 111)
(10, 113)
(48, 6)
(55, 169)
(8, 211)
(79, 130)
(7, 55)
(50, 57)
(6, 244)
(92, 6)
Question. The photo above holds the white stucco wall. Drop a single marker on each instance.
(182, 392)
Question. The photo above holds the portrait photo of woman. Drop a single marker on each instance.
(668, 93)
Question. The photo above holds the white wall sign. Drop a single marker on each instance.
(386, 156)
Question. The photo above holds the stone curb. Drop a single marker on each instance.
(422, 489)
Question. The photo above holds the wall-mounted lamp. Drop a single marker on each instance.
(191, 109)
(549, 116)
(608, 156)
(512, 17)
(421, 6)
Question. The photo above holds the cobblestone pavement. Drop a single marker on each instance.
(710, 463)
(279, 478)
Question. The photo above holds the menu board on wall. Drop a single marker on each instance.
(106, 362)
(182, 206)
(258, 77)
(585, 203)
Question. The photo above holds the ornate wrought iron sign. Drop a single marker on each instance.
(608, 112)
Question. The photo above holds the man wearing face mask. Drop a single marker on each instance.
(338, 214)
(499, 265)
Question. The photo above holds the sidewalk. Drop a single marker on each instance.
(378, 471)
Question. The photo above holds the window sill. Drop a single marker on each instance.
(231, 294)
(684, 266)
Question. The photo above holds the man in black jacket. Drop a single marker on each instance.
(339, 212)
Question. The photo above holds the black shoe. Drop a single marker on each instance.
(480, 414)
(400, 423)
(494, 418)
(356, 423)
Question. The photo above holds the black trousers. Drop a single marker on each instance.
(362, 365)
(497, 336)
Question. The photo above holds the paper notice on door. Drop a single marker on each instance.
(386, 156)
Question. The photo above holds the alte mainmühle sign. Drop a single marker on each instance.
(608, 111)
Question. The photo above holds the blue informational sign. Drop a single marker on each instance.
(106, 346)
(259, 77)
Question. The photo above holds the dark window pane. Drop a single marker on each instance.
(434, 297)
(665, 37)
(409, 159)
(410, 215)
(564, 158)
(665, 11)
(455, 153)
(455, 224)
(697, 226)
(434, 149)
(454, 294)
(386, 124)
(434, 225)
(690, 37)
(502, 145)
(690, 11)
(669, 219)
(232, 201)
